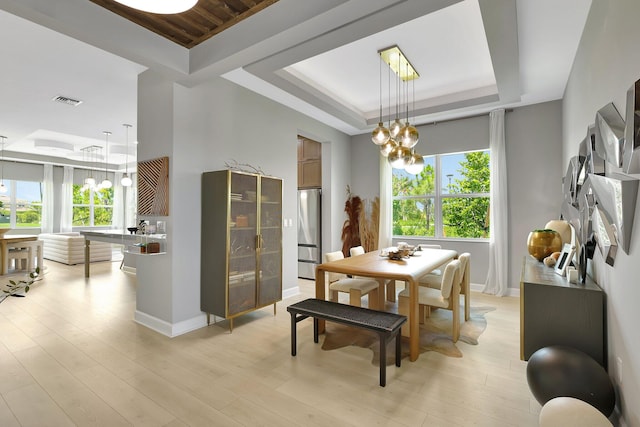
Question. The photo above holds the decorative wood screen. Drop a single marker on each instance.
(153, 187)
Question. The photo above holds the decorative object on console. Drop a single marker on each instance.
(542, 243)
(564, 260)
(562, 227)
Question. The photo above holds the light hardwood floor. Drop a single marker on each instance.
(70, 354)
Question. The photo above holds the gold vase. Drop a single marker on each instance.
(542, 243)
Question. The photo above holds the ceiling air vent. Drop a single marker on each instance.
(67, 100)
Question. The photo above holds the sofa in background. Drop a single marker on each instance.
(68, 248)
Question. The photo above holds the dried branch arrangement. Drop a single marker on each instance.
(361, 226)
(369, 223)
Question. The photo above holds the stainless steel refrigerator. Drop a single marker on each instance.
(309, 232)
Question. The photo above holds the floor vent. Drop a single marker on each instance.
(67, 100)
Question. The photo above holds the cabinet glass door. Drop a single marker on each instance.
(243, 230)
(270, 260)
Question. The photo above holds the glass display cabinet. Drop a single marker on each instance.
(241, 264)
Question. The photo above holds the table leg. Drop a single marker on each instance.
(87, 257)
(39, 249)
(320, 294)
(414, 327)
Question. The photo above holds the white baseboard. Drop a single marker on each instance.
(511, 292)
(170, 329)
(290, 292)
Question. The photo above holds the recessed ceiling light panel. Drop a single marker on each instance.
(160, 6)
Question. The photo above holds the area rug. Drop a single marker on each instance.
(435, 335)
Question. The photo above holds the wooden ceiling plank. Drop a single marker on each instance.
(261, 6)
(194, 26)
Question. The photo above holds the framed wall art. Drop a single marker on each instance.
(153, 187)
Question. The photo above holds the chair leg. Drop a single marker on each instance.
(467, 301)
(403, 308)
(456, 318)
(355, 297)
(391, 291)
(422, 312)
(374, 299)
(333, 295)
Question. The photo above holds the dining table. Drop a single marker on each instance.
(11, 240)
(375, 265)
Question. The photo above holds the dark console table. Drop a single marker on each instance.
(556, 312)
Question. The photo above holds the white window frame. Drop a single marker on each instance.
(439, 196)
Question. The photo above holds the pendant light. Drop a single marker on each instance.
(160, 6)
(106, 183)
(126, 181)
(89, 181)
(3, 188)
(397, 142)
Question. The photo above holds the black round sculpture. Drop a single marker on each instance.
(558, 371)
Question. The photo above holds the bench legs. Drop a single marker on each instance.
(383, 338)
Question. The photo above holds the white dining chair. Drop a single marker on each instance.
(355, 287)
(390, 285)
(447, 297)
(434, 280)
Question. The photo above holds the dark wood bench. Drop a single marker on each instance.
(386, 325)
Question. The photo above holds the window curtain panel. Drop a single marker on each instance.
(66, 200)
(46, 224)
(385, 232)
(117, 219)
(497, 282)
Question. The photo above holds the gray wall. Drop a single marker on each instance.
(200, 129)
(606, 65)
(533, 145)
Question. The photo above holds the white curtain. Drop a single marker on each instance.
(47, 200)
(118, 220)
(385, 231)
(497, 278)
(66, 201)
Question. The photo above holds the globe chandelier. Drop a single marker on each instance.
(160, 6)
(397, 142)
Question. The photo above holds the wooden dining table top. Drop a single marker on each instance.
(372, 264)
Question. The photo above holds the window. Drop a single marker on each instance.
(448, 199)
(92, 208)
(21, 205)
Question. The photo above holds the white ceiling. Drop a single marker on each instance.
(319, 58)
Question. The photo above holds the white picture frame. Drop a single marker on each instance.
(564, 259)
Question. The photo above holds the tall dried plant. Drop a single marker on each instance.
(369, 222)
(351, 228)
